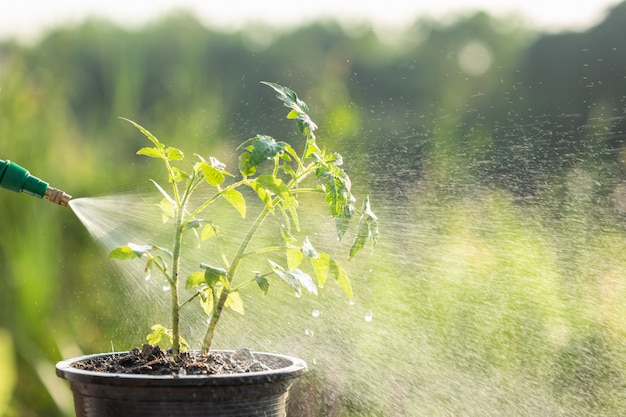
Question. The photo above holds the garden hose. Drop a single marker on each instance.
(15, 178)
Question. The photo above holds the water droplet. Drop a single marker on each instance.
(298, 295)
(369, 316)
(351, 302)
(167, 287)
(148, 275)
(309, 332)
(315, 313)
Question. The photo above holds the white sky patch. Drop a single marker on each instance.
(31, 18)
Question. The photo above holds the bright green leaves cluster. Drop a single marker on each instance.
(278, 174)
(209, 285)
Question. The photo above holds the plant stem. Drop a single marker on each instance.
(232, 271)
(175, 271)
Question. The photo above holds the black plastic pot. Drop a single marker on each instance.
(265, 393)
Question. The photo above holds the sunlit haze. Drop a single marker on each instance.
(28, 19)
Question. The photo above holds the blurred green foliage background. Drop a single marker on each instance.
(494, 156)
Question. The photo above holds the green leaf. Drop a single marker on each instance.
(336, 195)
(211, 174)
(343, 221)
(341, 277)
(263, 283)
(235, 303)
(158, 332)
(235, 198)
(151, 152)
(275, 185)
(366, 230)
(207, 301)
(208, 231)
(308, 250)
(262, 148)
(299, 108)
(243, 163)
(195, 280)
(296, 279)
(122, 253)
(321, 267)
(294, 258)
(174, 154)
(146, 133)
(212, 274)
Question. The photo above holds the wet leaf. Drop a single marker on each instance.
(366, 230)
(158, 332)
(308, 250)
(294, 258)
(212, 274)
(208, 231)
(341, 277)
(235, 198)
(263, 283)
(321, 267)
(235, 303)
(243, 163)
(211, 174)
(194, 280)
(122, 253)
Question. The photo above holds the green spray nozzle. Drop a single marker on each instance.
(15, 178)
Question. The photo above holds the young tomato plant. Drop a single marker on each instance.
(288, 175)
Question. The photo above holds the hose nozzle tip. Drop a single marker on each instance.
(57, 196)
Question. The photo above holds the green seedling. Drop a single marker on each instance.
(278, 175)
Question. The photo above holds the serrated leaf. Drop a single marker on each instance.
(336, 196)
(341, 277)
(195, 280)
(308, 250)
(263, 283)
(294, 258)
(366, 230)
(235, 198)
(158, 332)
(208, 231)
(235, 303)
(321, 267)
(296, 279)
(274, 185)
(263, 148)
(151, 152)
(305, 280)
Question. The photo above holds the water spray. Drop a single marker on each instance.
(15, 178)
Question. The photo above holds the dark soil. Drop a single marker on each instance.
(151, 360)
